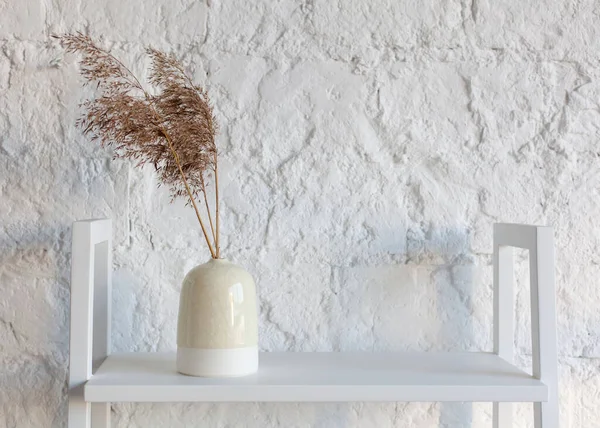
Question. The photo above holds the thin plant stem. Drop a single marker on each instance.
(187, 188)
(217, 243)
(216, 169)
(212, 229)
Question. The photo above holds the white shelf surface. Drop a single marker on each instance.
(320, 376)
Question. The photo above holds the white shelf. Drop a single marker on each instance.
(321, 376)
(313, 377)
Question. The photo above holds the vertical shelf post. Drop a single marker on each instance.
(503, 320)
(91, 265)
(543, 326)
(539, 241)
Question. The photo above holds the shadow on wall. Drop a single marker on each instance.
(426, 301)
(452, 277)
(35, 250)
(34, 331)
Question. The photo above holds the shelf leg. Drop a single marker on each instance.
(545, 415)
(101, 415)
(502, 415)
(543, 326)
(503, 320)
(540, 243)
(91, 262)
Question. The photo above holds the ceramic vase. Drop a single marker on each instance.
(217, 330)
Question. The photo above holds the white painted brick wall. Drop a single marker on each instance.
(367, 149)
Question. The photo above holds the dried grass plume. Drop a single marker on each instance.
(173, 129)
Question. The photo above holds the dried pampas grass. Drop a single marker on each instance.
(173, 130)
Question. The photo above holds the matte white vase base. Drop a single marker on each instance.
(231, 362)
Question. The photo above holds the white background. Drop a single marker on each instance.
(366, 150)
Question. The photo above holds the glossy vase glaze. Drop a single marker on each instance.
(217, 331)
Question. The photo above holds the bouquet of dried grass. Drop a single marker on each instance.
(173, 130)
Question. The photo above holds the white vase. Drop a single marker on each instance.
(217, 331)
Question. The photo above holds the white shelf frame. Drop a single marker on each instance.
(91, 329)
(539, 241)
